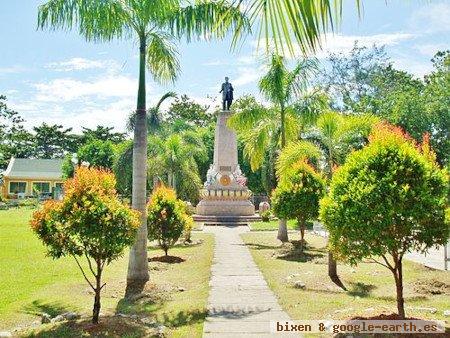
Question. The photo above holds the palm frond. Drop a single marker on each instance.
(294, 152)
(162, 57)
(286, 24)
(95, 20)
(250, 115)
(256, 142)
(207, 19)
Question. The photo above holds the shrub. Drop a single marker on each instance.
(298, 194)
(167, 218)
(89, 222)
(266, 216)
(387, 199)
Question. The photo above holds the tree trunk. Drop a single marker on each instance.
(302, 225)
(98, 289)
(138, 263)
(398, 276)
(282, 227)
(282, 231)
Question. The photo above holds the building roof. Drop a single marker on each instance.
(24, 168)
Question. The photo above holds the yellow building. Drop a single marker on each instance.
(30, 177)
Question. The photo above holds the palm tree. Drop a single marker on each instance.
(328, 143)
(154, 118)
(155, 24)
(292, 25)
(174, 159)
(280, 86)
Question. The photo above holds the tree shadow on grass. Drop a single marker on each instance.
(109, 326)
(258, 246)
(37, 307)
(293, 251)
(359, 289)
(184, 318)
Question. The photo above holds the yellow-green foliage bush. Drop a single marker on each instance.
(89, 222)
(386, 200)
(167, 218)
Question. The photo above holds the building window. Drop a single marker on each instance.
(59, 186)
(40, 187)
(17, 187)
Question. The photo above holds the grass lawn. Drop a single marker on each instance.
(272, 225)
(371, 288)
(32, 283)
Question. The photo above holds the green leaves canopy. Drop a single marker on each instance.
(387, 199)
(298, 194)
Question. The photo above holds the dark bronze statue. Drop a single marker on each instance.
(227, 94)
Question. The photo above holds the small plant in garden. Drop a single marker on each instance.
(89, 222)
(167, 218)
(298, 194)
(386, 200)
(266, 215)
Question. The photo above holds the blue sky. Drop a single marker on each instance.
(57, 77)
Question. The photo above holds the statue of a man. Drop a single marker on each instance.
(227, 94)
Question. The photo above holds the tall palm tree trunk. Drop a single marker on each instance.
(282, 225)
(138, 263)
(332, 264)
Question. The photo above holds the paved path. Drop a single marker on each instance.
(240, 302)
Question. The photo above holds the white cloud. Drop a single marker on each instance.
(340, 43)
(12, 70)
(431, 18)
(77, 63)
(247, 75)
(430, 49)
(67, 89)
(344, 43)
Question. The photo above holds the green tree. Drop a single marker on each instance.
(386, 200)
(99, 154)
(174, 160)
(53, 141)
(15, 140)
(101, 133)
(185, 111)
(89, 222)
(155, 24)
(167, 218)
(297, 195)
(349, 77)
(154, 116)
(437, 99)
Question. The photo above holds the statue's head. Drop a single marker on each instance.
(226, 78)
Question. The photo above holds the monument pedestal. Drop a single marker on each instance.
(225, 195)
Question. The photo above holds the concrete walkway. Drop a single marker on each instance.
(240, 302)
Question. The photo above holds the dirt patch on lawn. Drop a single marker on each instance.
(167, 259)
(431, 287)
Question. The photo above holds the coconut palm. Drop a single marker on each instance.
(154, 117)
(155, 24)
